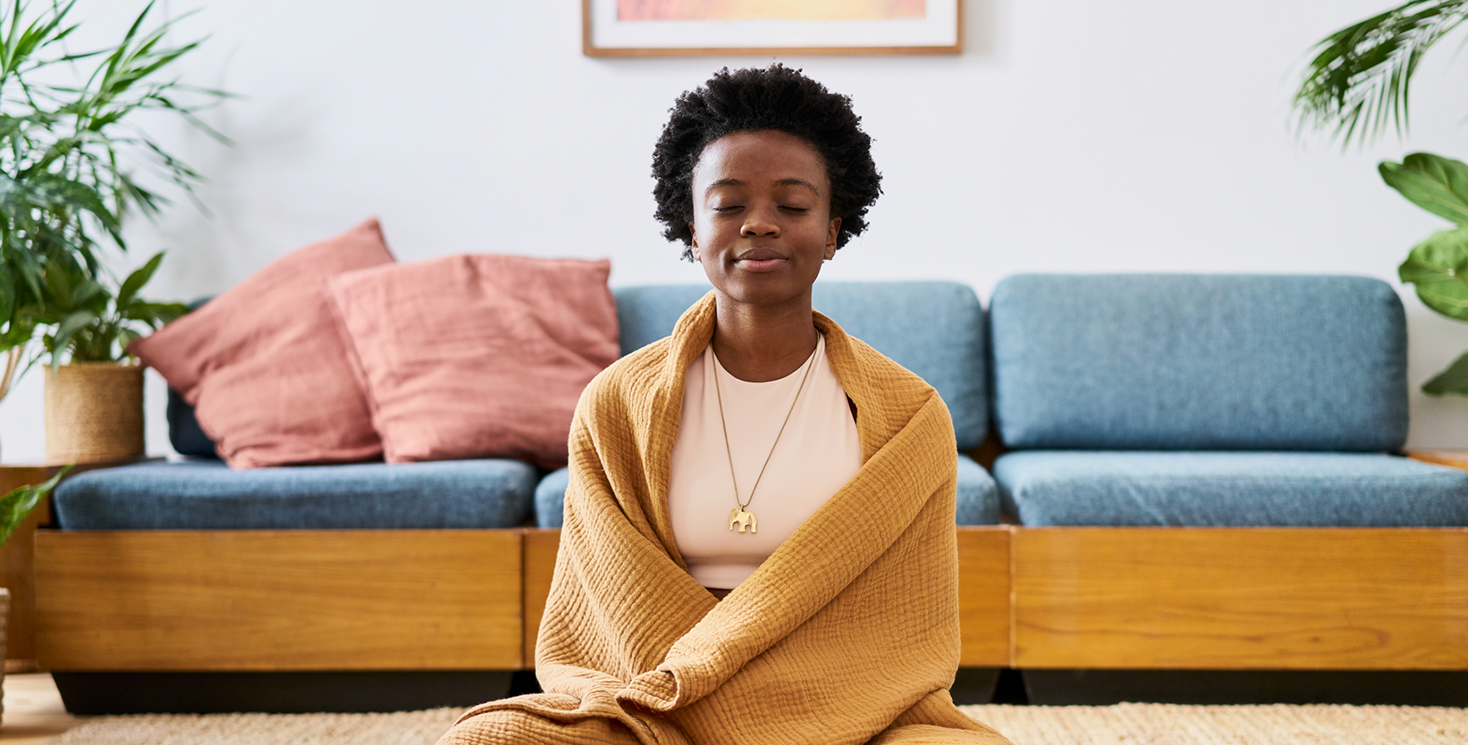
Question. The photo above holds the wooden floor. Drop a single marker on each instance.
(33, 710)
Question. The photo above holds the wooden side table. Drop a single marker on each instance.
(17, 565)
(1454, 458)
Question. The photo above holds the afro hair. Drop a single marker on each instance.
(752, 99)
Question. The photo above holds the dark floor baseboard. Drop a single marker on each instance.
(974, 685)
(276, 693)
(299, 692)
(1360, 687)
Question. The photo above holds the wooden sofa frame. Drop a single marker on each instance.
(1103, 598)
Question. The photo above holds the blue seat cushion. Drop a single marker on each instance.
(208, 495)
(550, 499)
(1107, 488)
(934, 329)
(978, 496)
(1199, 362)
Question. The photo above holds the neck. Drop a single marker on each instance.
(763, 343)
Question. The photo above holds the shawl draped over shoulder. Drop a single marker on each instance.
(848, 633)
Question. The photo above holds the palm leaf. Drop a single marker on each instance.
(1358, 82)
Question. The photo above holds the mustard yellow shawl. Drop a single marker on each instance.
(848, 633)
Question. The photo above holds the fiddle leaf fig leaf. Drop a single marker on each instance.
(1432, 182)
(1453, 380)
(1439, 268)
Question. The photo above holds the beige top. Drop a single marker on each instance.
(818, 453)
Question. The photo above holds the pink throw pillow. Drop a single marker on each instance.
(478, 356)
(264, 365)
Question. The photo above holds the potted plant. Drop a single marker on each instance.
(67, 159)
(1357, 84)
(14, 508)
(94, 404)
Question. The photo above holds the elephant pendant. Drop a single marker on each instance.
(743, 519)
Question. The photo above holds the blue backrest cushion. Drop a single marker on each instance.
(1184, 362)
(184, 432)
(935, 329)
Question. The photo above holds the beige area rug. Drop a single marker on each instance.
(1168, 724)
(399, 728)
(1127, 724)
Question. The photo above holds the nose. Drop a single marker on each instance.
(759, 222)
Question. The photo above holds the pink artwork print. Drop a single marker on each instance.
(745, 10)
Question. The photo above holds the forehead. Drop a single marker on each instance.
(759, 157)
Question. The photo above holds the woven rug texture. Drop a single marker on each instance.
(398, 728)
(1170, 724)
(1125, 724)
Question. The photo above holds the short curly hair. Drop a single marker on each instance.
(752, 99)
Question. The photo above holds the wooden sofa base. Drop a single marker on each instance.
(1240, 598)
(260, 600)
(1046, 598)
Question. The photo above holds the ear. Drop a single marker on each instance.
(831, 234)
(693, 242)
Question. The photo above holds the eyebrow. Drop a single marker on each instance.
(781, 182)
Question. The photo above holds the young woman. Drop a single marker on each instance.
(758, 542)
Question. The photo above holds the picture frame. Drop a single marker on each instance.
(686, 28)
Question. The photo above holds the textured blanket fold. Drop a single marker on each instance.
(848, 633)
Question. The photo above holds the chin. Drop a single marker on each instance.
(763, 289)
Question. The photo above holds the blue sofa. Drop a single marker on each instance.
(1178, 458)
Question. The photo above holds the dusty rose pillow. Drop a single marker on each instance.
(478, 356)
(264, 365)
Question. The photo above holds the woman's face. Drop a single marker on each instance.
(762, 220)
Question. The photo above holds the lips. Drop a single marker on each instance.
(760, 260)
(759, 254)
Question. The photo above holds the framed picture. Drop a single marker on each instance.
(666, 28)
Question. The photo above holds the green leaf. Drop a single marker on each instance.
(126, 336)
(1432, 182)
(7, 294)
(137, 279)
(17, 505)
(68, 328)
(153, 314)
(1360, 77)
(1453, 380)
(86, 293)
(59, 286)
(1439, 268)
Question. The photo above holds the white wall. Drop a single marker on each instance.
(1136, 135)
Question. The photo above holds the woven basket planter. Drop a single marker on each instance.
(94, 412)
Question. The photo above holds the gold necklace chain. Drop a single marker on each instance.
(810, 363)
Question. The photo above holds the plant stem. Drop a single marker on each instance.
(12, 359)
